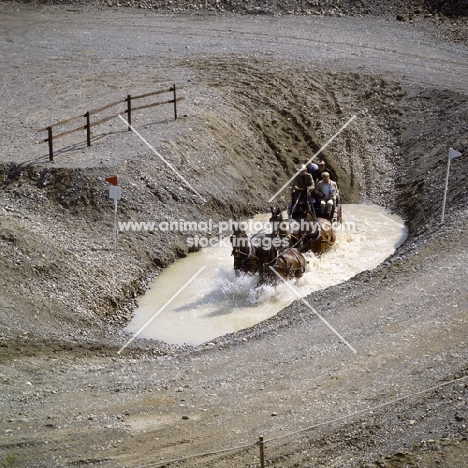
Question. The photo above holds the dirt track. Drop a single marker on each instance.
(262, 94)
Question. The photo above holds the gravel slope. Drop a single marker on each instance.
(260, 92)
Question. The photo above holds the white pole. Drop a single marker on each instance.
(446, 188)
(115, 224)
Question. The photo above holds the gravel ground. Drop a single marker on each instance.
(262, 94)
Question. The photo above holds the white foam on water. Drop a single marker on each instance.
(218, 302)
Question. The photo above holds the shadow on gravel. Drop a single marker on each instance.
(452, 8)
(15, 171)
(81, 146)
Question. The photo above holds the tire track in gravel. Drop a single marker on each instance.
(402, 315)
(295, 115)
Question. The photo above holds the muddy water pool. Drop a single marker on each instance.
(218, 302)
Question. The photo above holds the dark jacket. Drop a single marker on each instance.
(303, 182)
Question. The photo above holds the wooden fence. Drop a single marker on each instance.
(129, 100)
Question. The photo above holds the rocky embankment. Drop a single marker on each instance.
(258, 103)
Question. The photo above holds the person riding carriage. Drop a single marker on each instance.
(319, 199)
(301, 201)
(312, 211)
(327, 191)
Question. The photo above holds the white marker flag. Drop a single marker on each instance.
(454, 154)
(115, 192)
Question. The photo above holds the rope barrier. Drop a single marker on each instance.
(382, 405)
(239, 447)
(315, 426)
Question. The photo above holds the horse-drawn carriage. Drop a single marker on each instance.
(309, 227)
(283, 248)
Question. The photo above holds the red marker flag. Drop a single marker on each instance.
(112, 180)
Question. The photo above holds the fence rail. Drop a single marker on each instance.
(129, 99)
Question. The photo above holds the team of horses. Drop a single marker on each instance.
(281, 251)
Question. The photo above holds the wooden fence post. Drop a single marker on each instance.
(51, 146)
(88, 130)
(129, 111)
(88, 115)
(262, 455)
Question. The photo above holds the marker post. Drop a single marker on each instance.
(452, 155)
(115, 193)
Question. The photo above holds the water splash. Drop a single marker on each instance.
(220, 302)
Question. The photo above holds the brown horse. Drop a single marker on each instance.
(273, 250)
(244, 255)
(288, 262)
(310, 233)
(278, 223)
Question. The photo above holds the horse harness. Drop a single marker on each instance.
(300, 239)
(247, 256)
(287, 261)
